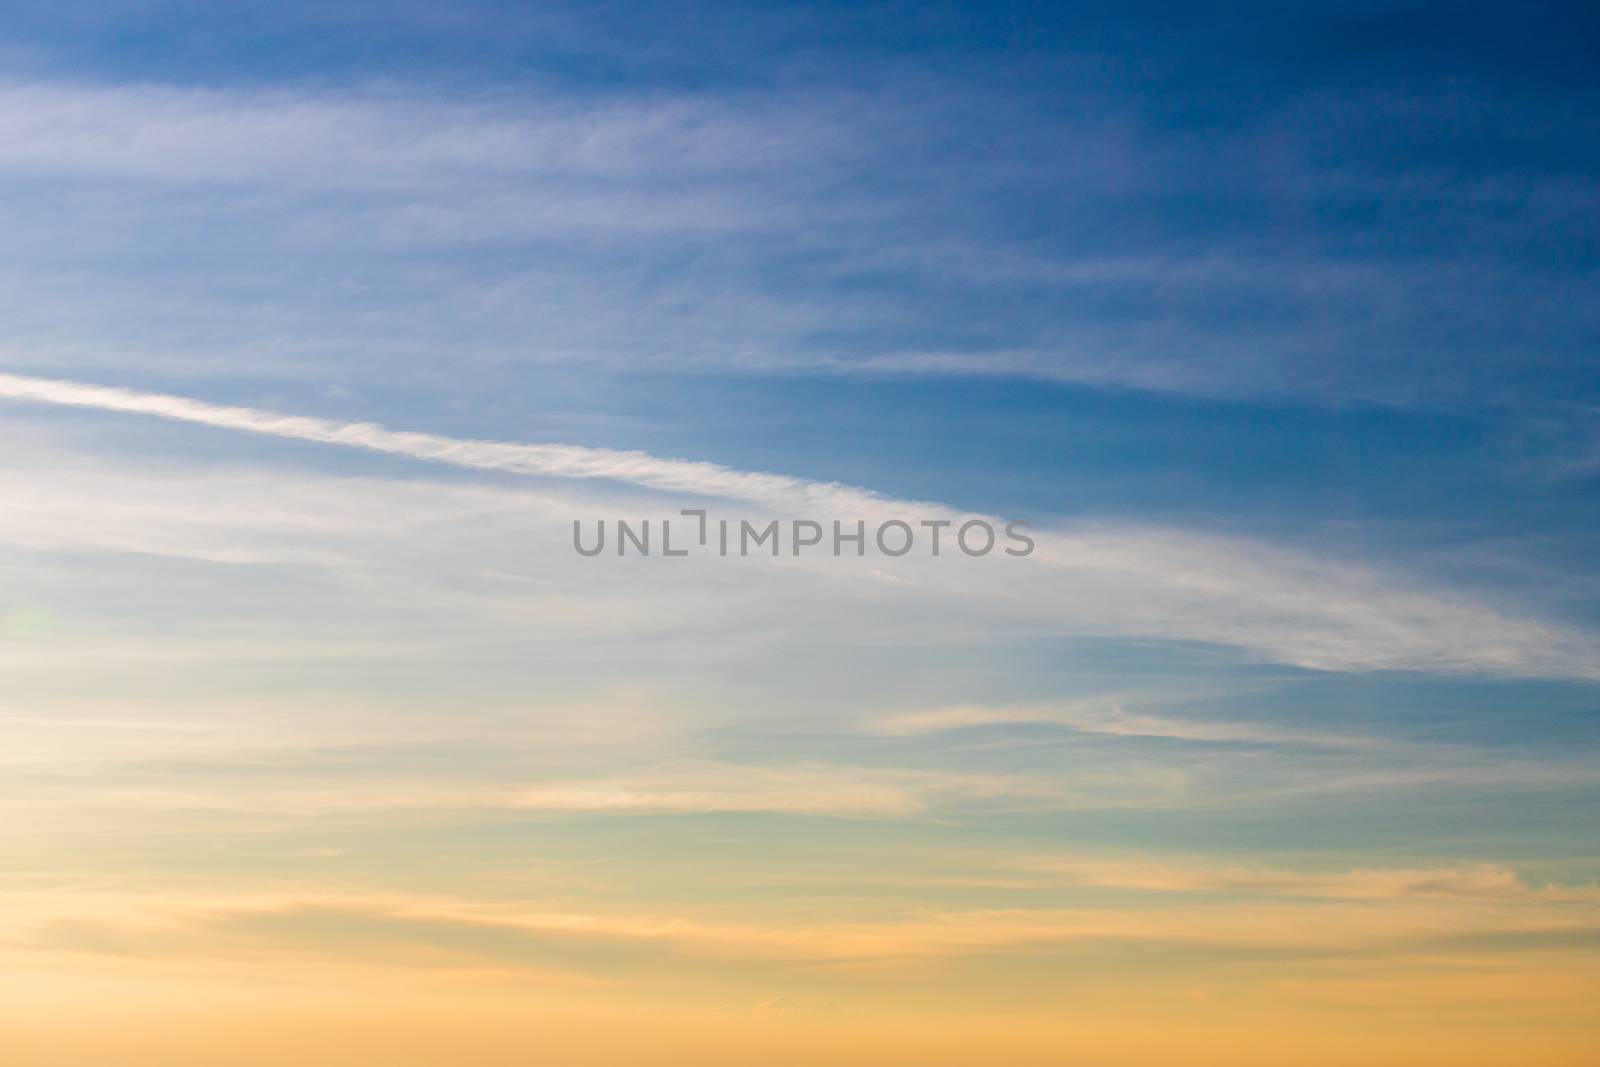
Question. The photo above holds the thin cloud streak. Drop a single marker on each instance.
(1142, 582)
(1114, 721)
(192, 926)
(383, 141)
(553, 461)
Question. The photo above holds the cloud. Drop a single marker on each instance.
(1123, 580)
(381, 140)
(1098, 718)
(1487, 882)
(784, 184)
(554, 461)
(451, 932)
(146, 777)
(733, 229)
(802, 790)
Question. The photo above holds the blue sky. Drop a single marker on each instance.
(1284, 212)
(1280, 324)
(1282, 276)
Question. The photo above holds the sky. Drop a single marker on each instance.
(321, 326)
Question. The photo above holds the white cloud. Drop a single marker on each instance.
(1084, 579)
(1100, 718)
(386, 140)
(801, 790)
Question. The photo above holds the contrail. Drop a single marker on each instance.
(1130, 581)
(544, 460)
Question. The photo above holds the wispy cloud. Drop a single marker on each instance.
(1090, 579)
(1098, 718)
(517, 932)
(1477, 881)
(780, 184)
(803, 790)
(387, 140)
(554, 461)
